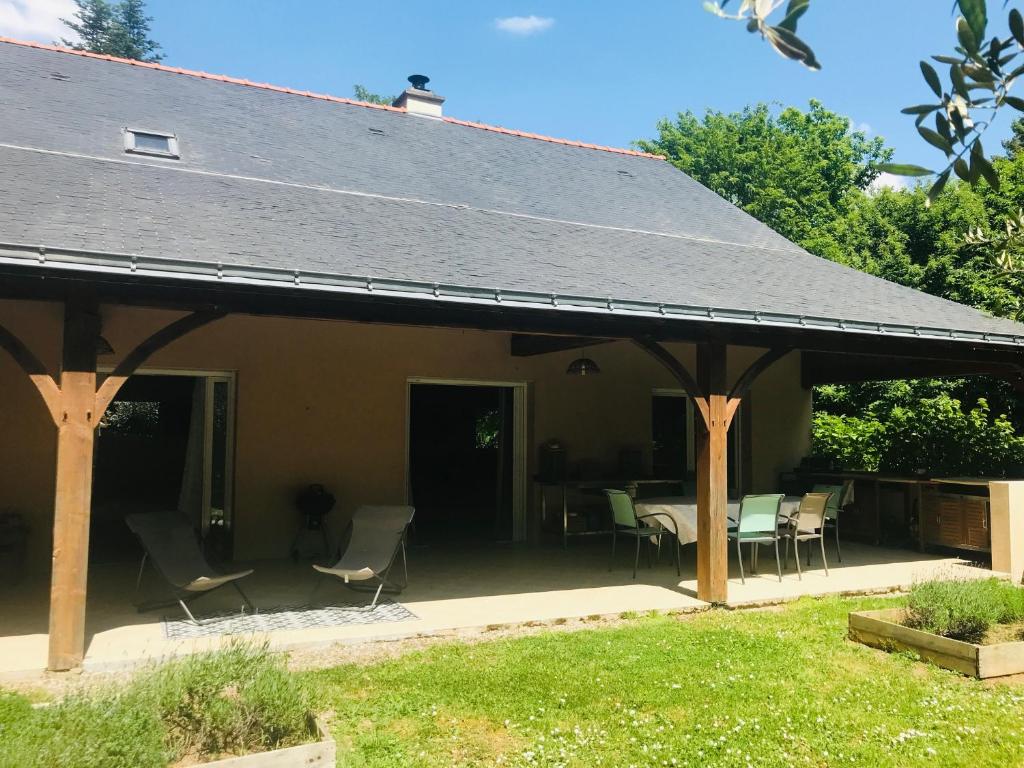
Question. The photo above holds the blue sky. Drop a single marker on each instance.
(597, 71)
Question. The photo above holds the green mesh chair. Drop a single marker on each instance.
(758, 523)
(842, 495)
(625, 522)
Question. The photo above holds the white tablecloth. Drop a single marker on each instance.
(679, 513)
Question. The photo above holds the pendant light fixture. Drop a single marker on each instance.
(583, 366)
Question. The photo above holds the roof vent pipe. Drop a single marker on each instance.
(418, 100)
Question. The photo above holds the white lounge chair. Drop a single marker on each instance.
(170, 542)
(378, 536)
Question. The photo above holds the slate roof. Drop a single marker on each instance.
(325, 193)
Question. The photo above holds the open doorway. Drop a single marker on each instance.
(165, 443)
(464, 457)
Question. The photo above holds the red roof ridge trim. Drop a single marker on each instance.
(320, 96)
(200, 75)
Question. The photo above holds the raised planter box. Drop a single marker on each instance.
(882, 629)
(319, 754)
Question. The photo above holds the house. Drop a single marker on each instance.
(304, 275)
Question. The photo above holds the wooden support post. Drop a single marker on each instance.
(76, 407)
(717, 405)
(712, 478)
(75, 436)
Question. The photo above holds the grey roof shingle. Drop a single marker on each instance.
(277, 180)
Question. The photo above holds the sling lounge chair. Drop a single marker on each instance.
(378, 536)
(170, 543)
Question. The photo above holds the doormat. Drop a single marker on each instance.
(276, 619)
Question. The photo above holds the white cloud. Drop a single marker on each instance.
(524, 25)
(888, 180)
(38, 20)
(863, 127)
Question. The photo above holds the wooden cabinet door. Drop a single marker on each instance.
(929, 516)
(949, 525)
(976, 528)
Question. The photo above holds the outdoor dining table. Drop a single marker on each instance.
(679, 513)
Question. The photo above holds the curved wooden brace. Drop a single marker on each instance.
(113, 381)
(746, 380)
(681, 374)
(41, 378)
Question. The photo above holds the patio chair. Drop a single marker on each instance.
(806, 524)
(378, 536)
(169, 541)
(758, 523)
(626, 522)
(842, 496)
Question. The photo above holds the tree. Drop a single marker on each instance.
(981, 75)
(129, 33)
(92, 25)
(115, 30)
(808, 175)
(362, 94)
(794, 170)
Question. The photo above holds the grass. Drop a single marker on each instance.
(965, 610)
(766, 688)
(235, 701)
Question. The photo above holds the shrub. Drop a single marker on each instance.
(241, 699)
(963, 610)
(933, 433)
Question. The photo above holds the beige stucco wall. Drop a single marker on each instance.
(322, 401)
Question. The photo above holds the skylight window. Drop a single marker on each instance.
(154, 143)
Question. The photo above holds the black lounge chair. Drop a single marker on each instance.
(170, 542)
(378, 536)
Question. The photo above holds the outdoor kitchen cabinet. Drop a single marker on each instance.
(950, 512)
(955, 520)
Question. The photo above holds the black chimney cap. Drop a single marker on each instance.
(419, 82)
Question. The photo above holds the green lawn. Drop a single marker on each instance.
(768, 688)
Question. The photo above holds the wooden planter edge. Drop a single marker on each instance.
(882, 629)
(317, 754)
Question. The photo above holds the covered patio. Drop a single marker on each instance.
(277, 315)
(450, 593)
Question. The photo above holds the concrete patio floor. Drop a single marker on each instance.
(451, 589)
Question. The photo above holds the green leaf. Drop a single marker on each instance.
(904, 169)
(973, 171)
(920, 109)
(958, 124)
(794, 11)
(980, 74)
(961, 169)
(1017, 26)
(965, 35)
(981, 165)
(976, 17)
(935, 140)
(942, 127)
(937, 187)
(947, 59)
(1015, 102)
(932, 78)
(957, 78)
(791, 46)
